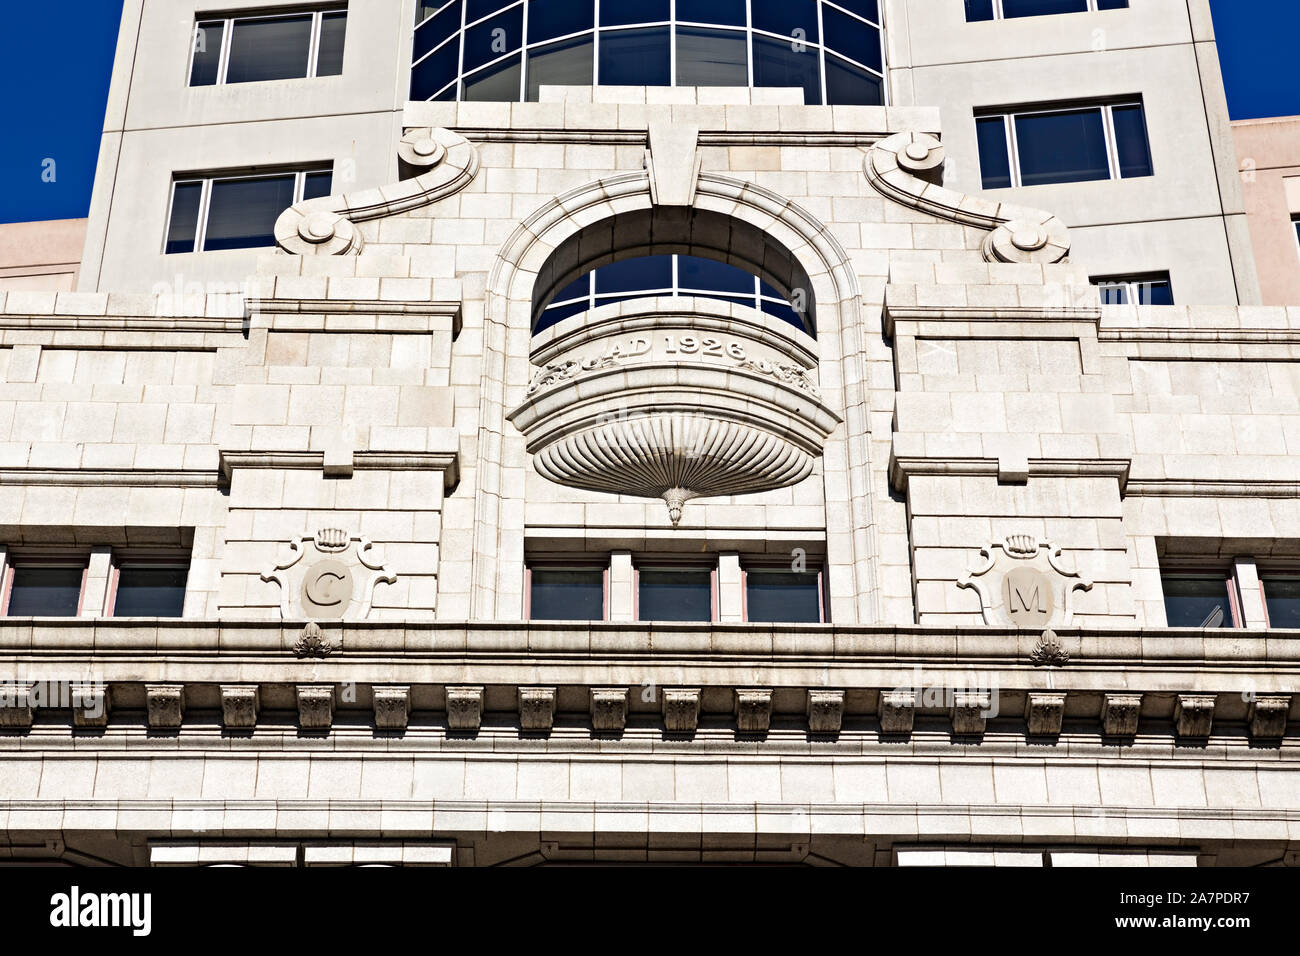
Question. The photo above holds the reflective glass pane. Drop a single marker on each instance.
(634, 57)
(548, 19)
(429, 35)
(619, 12)
(567, 595)
(636, 275)
(150, 591)
(242, 212)
(786, 314)
(849, 85)
(979, 10)
(269, 48)
(675, 595)
(38, 590)
(1113, 293)
(1112, 4)
(777, 63)
(696, 272)
(1197, 601)
(567, 63)
(863, 8)
(1065, 147)
(317, 185)
(853, 38)
(492, 38)
(711, 57)
(995, 163)
(329, 55)
(424, 8)
(185, 217)
(725, 12)
(796, 19)
(1282, 596)
(435, 71)
(1038, 8)
(1155, 292)
(782, 596)
(577, 289)
(1131, 143)
(477, 9)
(499, 83)
(207, 53)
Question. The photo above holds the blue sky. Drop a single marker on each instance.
(55, 82)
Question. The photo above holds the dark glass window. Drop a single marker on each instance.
(566, 594)
(150, 591)
(783, 312)
(435, 71)
(1065, 147)
(548, 19)
(711, 57)
(207, 53)
(643, 273)
(995, 161)
(1282, 598)
(979, 10)
(696, 272)
(269, 48)
(848, 85)
(783, 596)
(493, 38)
(567, 63)
(1197, 600)
(498, 83)
(45, 590)
(1140, 290)
(1040, 8)
(558, 313)
(1112, 4)
(785, 17)
(619, 12)
(317, 185)
(776, 63)
(675, 594)
(853, 38)
(863, 8)
(634, 57)
(433, 32)
(477, 9)
(329, 54)
(183, 228)
(242, 212)
(722, 12)
(1131, 144)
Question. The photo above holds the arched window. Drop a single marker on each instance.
(666, 275)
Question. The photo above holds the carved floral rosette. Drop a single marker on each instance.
(674, 399)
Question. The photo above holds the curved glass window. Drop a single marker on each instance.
(666, 275)
(497, 50)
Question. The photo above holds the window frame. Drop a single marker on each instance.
(160, 558)
(206, 180)
(1130, 282)
(672, 563)
(59, 558)
(565, 564)
(759, 565)
(228, 22)
(998, 14)
(1203, 569)
(1289, 570)
(1107, 108)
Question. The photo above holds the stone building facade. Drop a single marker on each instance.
(920, 555)
(1268, 154)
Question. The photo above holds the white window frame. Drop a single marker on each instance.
(1108, 126)
(1130, 283)
(999, 15)
(1295, 230)
(205, 197)
(227, 31)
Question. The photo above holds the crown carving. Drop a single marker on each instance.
(331, 539)
(1021, 545)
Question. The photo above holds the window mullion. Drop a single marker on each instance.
(223, 64)
(1013, 148)
(1112, 145)
(313, 44)
(201, 225)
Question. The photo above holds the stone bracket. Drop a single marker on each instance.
(240, 704)
(608, 709)
(1119, 714)
(1044, 713)
(392, 705)
(1268, 716)
(536, 709)
(1194, 716)
(681, 709)
(315, 706)
(825, 711)
(465, 708)
(165, 704)
(753, 710)
(897, 711)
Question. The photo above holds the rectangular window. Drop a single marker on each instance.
(781, 596)
(557, 593)
(1149, 289)
(1199, 600)
(40, 588)
(1012, 9)
(1282, 599)
(1295, 222)
(237, 212)
(149, 588)
(280, 46)
(1068, 144)
(675, 594)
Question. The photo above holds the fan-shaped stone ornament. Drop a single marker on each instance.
(674, 399)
